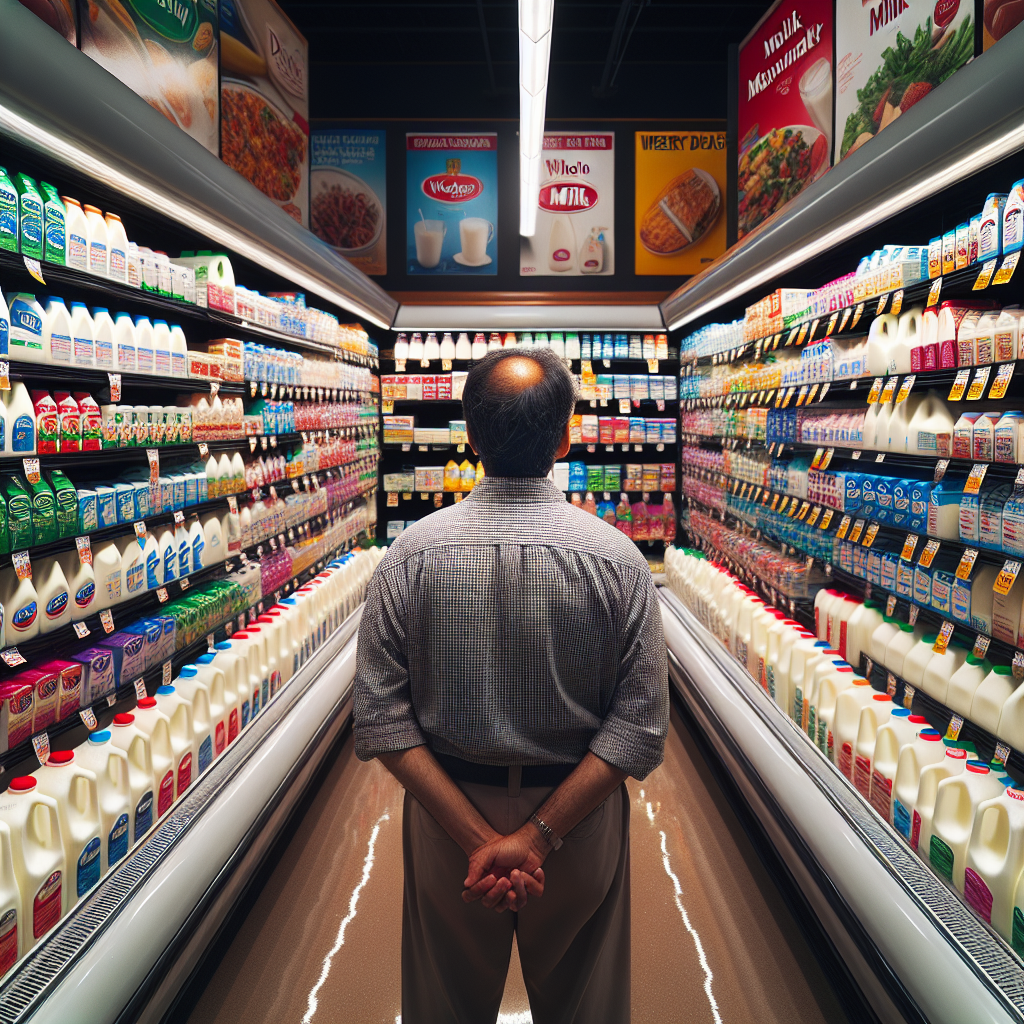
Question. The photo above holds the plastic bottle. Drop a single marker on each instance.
(74, 789)
(157, 726)
(940, 669)
(463, 349)
(133, 566)
(995, 860)
(37, 857)
(953, 763)
(103, 336)
(956, 804)
(993, 692)
(184, 545)
(873, 716)
(900, 646)
(145, 344)
(20, 603)
(110, 585)
(224, 716)
(96, 241)
(53, 594)
(76, 235)
(179, 352)
(55, 236)
(83, 338)
(161, 348)
(193, 689)
(908, 337)
(117, 249)
(479, 347)
(964, 683)
(900, 731)
(110, 766)
(880, 638)
(57, 344)
(197, 544)
(178, 710)
(846, 723)
(142, 786)
(447, 348)
(927, 748)
(25, 340)
(124, 343)
(862, 623)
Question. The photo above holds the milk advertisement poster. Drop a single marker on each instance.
(890, 54)
(348, 194)
(680, 181)
(451, 203)
(576, 210)
(785, 107)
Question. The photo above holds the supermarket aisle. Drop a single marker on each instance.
(712, 940)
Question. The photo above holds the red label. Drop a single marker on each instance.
(560, 255)
(881, 794)
(945, 12)
(862, 775)
(846, 759)
(978, 894)
(452, 188)
(166, 795)
(915, 831)
(567, 196)
(218, 740)
(46, 906)
(842, 640)
(233, 726)
(8, 941)
(184, 773)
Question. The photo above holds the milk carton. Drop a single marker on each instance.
(69, 693)
(956, 803)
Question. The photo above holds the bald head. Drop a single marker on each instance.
(517, 405)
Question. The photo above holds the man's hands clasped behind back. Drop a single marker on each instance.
(506, 870)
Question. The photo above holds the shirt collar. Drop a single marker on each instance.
(516, 490)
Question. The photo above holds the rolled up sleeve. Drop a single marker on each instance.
(383, 715)
(633, 732)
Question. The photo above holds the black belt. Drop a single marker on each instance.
(498, 775)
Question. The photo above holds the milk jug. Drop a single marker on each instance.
(145, 344)
(862, 623)
(12, 913)
(995, 690)
(130, 738)
(803, 661)
(881, 336)
(133, 566)
(900, 731)
(838, 618)
(178, 711)
(952, 764)
(826, 669)
(232, 661)
(884, 632)
(253, 646)
(846, 723)
(940, 669)
(213, 680)
(155, 724)
(83, 337)
(103, 335)
(197, 693)
(25, 340)
(956, 804)
(53, 595)
(167, 547)
(74, 789)
(57, 332)
(124, 341)
(899, 422)
(279, 641)
(213, 548)
(21, 420)
(908, 338)
(917, 659)
(873, 716)
(76, 249)
(824, 600)
(964, 683)
(930, 431)
(184, 545)
(179, 352)
(289, 615)
(96, 241)
(196, 543)
(995, 859)
(928, 748)
(110, 766)
(900, 646)
(561, 245)
(37, 856)
(117, 249)
(161, 348)
(20, 603)
(266, 635)
(224, 702)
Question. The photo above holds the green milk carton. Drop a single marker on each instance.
(19, 512)
(30, 216)
(54, 228)
(8, 213)
(44, 513)
(67, 504)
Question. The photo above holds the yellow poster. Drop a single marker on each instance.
(680, 201)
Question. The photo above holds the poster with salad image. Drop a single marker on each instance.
(264, 101)
(348, 193)
(890, 54)
(785, 108)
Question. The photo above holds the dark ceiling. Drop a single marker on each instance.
(617, 58)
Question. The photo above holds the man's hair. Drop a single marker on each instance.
(517, 430)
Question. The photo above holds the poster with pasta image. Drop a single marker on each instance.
(264, 101)
(348, 193)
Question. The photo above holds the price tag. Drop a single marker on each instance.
(140, 529)
(832, 322)
(407, 496)
(856, 455)
(111, 700)
(975, 477)
(933, 292)
(1002, 753)
(858, 529)
(792, 336)
(889, 390)
(816, 461)
(115, 386)
(940, 470)
(956, 392)
(387, 405)
(880, 457)
(252, 444)
(1005, 271)
(438, 497)
(967, 560)
(857, 315)
(215, 387)
(813, 517)
(263, 442)
(908, 547)
(775, 502)
(81, 630)
(458, 497)
(890, 605)
(5, 375)
(1002, 381)
(981, 643)
(392, 500)
(789, 395)
(904, 391)
(162, 595)
(876, 390)
(41, 745)
(1007, 577)
(914, 612)
(942, 640)
(802, 337)
(928, 554)
(984, 278)
(107, 619)
(179, 516)
(897, 302)
(869, 537)
(956, 723)
(652, 365)
(812, 393)
(624, 406)
(802, 395)
(12, 657)
(890, 684)
(909, 693)
(846, 318)
(977, 388)
(88, 717)
(31, 467)
(140, 688)
(33, 267)
(882, 302)
(844, 525)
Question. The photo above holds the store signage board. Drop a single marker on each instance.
(451, 215)
(575, 234)
(785, 96)
(346, 163)
(680, 200)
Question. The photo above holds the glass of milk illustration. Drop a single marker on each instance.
(429, 239)
(475, 233)
(816, 92)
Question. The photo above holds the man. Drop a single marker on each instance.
(511, 674)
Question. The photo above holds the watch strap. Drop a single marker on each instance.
(547, 832)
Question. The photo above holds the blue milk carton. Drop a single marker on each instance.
(872, 565)
(884, 498)
(890, 564)
(990, 516)
(852, 484)
(845, 556)
(868, 495)
(920, 495)
(922, 585)
(944, 508)
(1013, 525)
(943, 570)
(905, 579)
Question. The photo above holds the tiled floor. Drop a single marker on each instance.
(712, 940)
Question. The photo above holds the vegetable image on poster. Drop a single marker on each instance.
(347, 185)
(890, 54)
(452, 203)
(576, 209)
(680, 181)
(785, 108)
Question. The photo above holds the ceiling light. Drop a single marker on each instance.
(535, 17)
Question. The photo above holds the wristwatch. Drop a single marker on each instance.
(547, 832)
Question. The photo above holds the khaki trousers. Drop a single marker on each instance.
(574, 941)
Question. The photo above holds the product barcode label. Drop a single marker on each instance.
(905, 388)
(889, 391)
(897, 303)
(81, 630)
(22, 565)
(1005, 271)
(909, 693)
(876, 390)
(978, 385)
(107, 619)
(984, 277)
(934, 291)
(975, 478)
(890, 605)
(12, 657)
(844, 525)
(908, 547)
(890, 684)
(1002, 381)
(31, 467)
(115, 386)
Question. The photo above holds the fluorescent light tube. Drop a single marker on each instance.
(535, 18)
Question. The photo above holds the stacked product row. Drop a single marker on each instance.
(566, 345)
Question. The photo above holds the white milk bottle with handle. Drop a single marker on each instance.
(806, 653)
(846, 723)
(74, 789)
(956, 804)
(257, 682)
(231, 660)
(899, 423)
(900, 646)
(823, 602)
(873, 716)
(917, 660)
(287, 649)
(103, 334)
(953, 763)
(900, 731)
(778, 678)
(830, 678)
(879, 641)
(178, 710)
(926, 749)
(290, 614)
(838, 622)
(125, 347)
(110, 766)
(964, 683)
(777, 631)
(213, 680)
(268, 658)
(152, 721)
(12, 913)
(881, 336)
(278, 648)
(908, 331)
(995, 860)
(763, 621)
(941, 668)
(197, 693)
(131, 739)
(217, 678)
(37, 855)
(995, 690)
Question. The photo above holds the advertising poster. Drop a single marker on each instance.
(889, 55)
(348, 194)
(785, 108)
(167, 53)
(451, 210)
(264, 102)
(576, 210)
(58, 14)
(680, 220)
(1000, 16)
